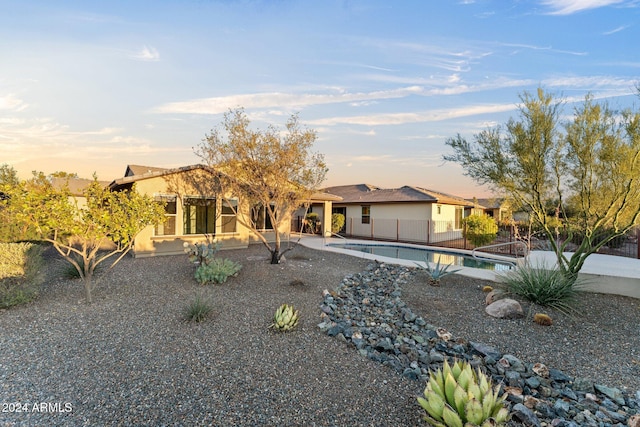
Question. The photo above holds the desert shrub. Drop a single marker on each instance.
(542, 285)
(480, 230)
(20, 273)
(217, 271)
(198, 309)
(337, 222)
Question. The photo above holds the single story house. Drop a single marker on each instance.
(195, 209)
(406, 213)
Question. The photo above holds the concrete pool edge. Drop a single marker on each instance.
(321, 244)
(605, 274)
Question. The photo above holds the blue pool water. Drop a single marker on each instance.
(419, 254)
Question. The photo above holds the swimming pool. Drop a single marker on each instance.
(422, 254)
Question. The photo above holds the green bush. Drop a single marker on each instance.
(217, 271)
(542, 285)
(337, 222)
(20, 273)
(480, 230)
(198, 309)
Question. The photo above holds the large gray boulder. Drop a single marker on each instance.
(505, 309)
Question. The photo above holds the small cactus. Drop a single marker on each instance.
(542, 319)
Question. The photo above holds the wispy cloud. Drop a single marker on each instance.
(568, 7)
(12, 103)
(290, 101)
(147, 53)
(418, 117)
(590, 82)
(222, 104)
(549, 48)
(26, 141)
(616, 30)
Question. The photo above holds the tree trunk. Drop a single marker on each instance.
(275, 256)
(88, 285)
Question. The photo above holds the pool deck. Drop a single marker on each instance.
(602, 273)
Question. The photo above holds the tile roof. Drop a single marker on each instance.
(75, 185)
(137, 173)
(365, 193)
(133, 170)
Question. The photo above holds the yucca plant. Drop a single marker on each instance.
(436, 273)
(459, 396)
(285, 318)
(542, 285)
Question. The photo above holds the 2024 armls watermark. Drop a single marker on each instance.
(36, 407)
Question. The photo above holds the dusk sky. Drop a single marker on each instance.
(89, 86)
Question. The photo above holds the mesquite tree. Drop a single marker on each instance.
(268, 169)
(588, 169)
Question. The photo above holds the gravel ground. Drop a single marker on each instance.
(131, 359)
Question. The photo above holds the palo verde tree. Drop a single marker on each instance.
(588, 169)
(271, 170)
(88, 233)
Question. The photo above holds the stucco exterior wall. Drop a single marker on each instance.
(420, 222)
(147, 243)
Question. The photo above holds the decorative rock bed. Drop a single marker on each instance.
(366, 312)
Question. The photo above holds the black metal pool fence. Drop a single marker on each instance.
(450, 235)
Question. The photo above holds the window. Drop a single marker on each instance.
(260, 217)
(439, 209)
(228, 217)
(168, 228)
(366, 214)
(458, 217)
(199, 216)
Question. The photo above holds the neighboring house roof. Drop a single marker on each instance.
(76, 185)
(146, 172)
(493, 203)
(365, 193)
(140, 170)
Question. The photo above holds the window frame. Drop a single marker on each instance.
(365, 218)
(459, 215)
(192, 216)
(171, 217)
(224, 216)
(259, 212)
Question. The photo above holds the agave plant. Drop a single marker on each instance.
(458, 396)
(286, 318)
(436, 273)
